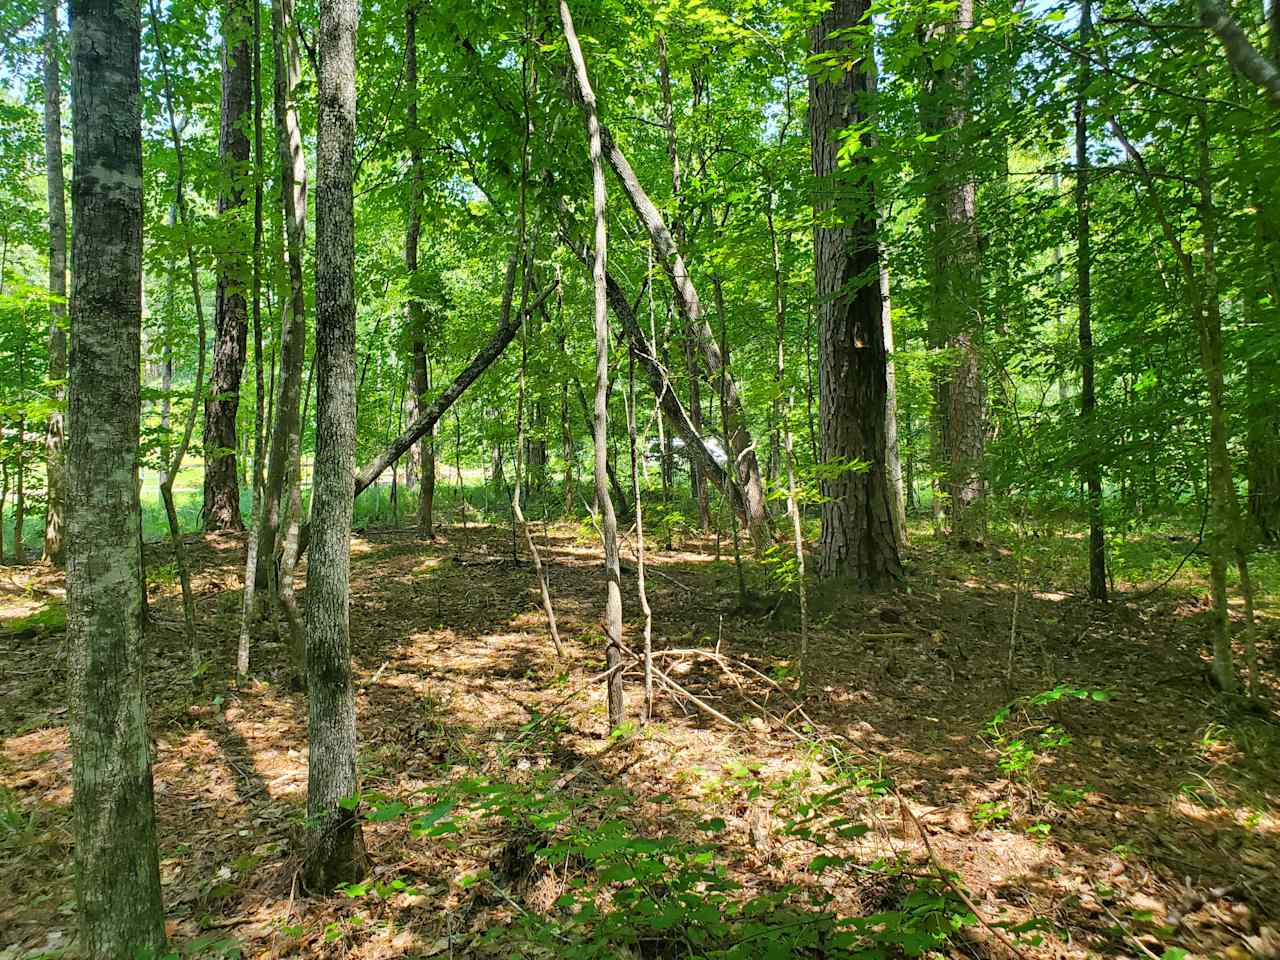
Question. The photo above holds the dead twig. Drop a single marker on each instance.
(947, 877)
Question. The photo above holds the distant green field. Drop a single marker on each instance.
(373, 507)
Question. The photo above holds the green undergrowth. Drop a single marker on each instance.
(628, 891)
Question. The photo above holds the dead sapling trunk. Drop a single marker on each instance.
(608, 519)
(641, 592)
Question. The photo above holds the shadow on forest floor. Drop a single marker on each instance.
(1105, 818)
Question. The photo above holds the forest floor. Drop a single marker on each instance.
(1130, 811)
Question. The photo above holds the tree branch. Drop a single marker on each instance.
(1241, 54)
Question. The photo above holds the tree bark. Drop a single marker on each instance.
(117, 865)
(283, 457)
(1240, 53)
(893, 452)
(1262, 440)
(608, 520)
(859, 540)
(257, 477)
(1091, 467)
(1201, 295)
(697, 480)
(55, 514)
(955, 311)
(417, 316)
(221, 509)
(429, 415)
(20, 478)
(335, 851)
(174, 465)
(678, 418)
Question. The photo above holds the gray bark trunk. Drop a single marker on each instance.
(1092, 469)
(117, 865)
(285, 449)
(608, 520)
(417, 316)
(335, 850)
(892, 448)
(257, 477)
(172, 467)
(55, 515)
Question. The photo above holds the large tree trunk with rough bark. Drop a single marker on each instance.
(117, 866)
(221, 509)
(335, 850)
(55, 514)
(859, 537)
(955, 310)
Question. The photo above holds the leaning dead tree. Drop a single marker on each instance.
(508, 326)
(741, 445)
(506, 330)
(677, 417)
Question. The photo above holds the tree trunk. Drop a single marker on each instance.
(55, 514)
(697, 479)
(567, 451)
(893, 453)
(117, 865)
(285, 449)
(1262, 440)
(1263, 445)
(417, 316)
(678, 418)
(4, 496)
(1225, 533)
(19, 490)
(608, 520)
(335, 844)
(1201, 294)
(859, 539)
(741, 445)
(1092, 469)
(257, 477)
(641, 593)
(955, 310)
(173, 466)
(221, 509)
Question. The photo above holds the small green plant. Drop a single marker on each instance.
(1021, 752)
(990, 812)
(162, 574)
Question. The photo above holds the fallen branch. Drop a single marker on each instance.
(677, 688)
(947, 876)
